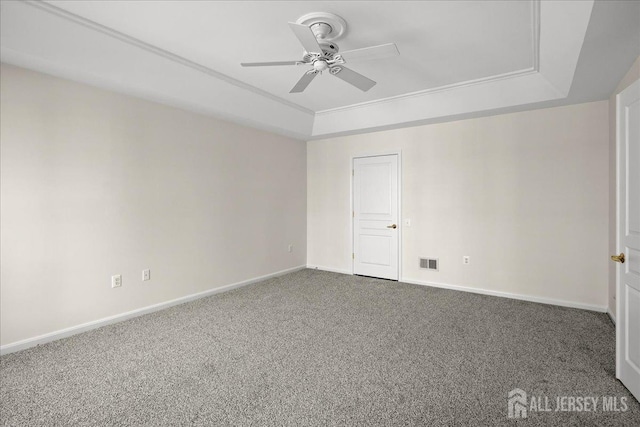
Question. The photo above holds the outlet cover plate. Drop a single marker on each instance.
(116, 281)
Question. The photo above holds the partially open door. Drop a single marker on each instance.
(628, 282)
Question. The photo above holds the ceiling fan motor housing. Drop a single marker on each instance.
(329, 48)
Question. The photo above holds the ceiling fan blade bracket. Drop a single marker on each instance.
(337, 59)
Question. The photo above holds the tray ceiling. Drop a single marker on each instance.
(455, 57)
(441, 43)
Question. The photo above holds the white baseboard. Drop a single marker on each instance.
(332, 270)
(551, 301)
(63, 333)
(611, 316)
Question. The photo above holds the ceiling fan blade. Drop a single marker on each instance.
(358, 80)
(306, 37)
(267, 64)
(304, 82)
(373, 52)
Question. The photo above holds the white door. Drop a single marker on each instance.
(628, 286)
(375, 216)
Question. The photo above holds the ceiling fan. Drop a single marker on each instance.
(317, 32)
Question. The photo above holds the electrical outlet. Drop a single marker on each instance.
(466, 260)
(290, 248)
(146, 275)
(116, 281)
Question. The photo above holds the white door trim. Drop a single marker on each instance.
(617, 228)
(400, 219)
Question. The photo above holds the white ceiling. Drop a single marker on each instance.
(456, 57)
(441, 43)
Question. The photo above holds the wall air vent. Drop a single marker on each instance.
(429, 263)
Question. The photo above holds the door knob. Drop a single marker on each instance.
(392, 226)
(618, 258)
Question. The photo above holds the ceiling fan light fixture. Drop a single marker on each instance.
(320, 65)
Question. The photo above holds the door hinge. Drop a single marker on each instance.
(353, 214)
(353, 256)
(353, 172)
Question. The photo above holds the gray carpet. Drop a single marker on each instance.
(317, 348)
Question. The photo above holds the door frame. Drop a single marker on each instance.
(617, 228)
(400, 219)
